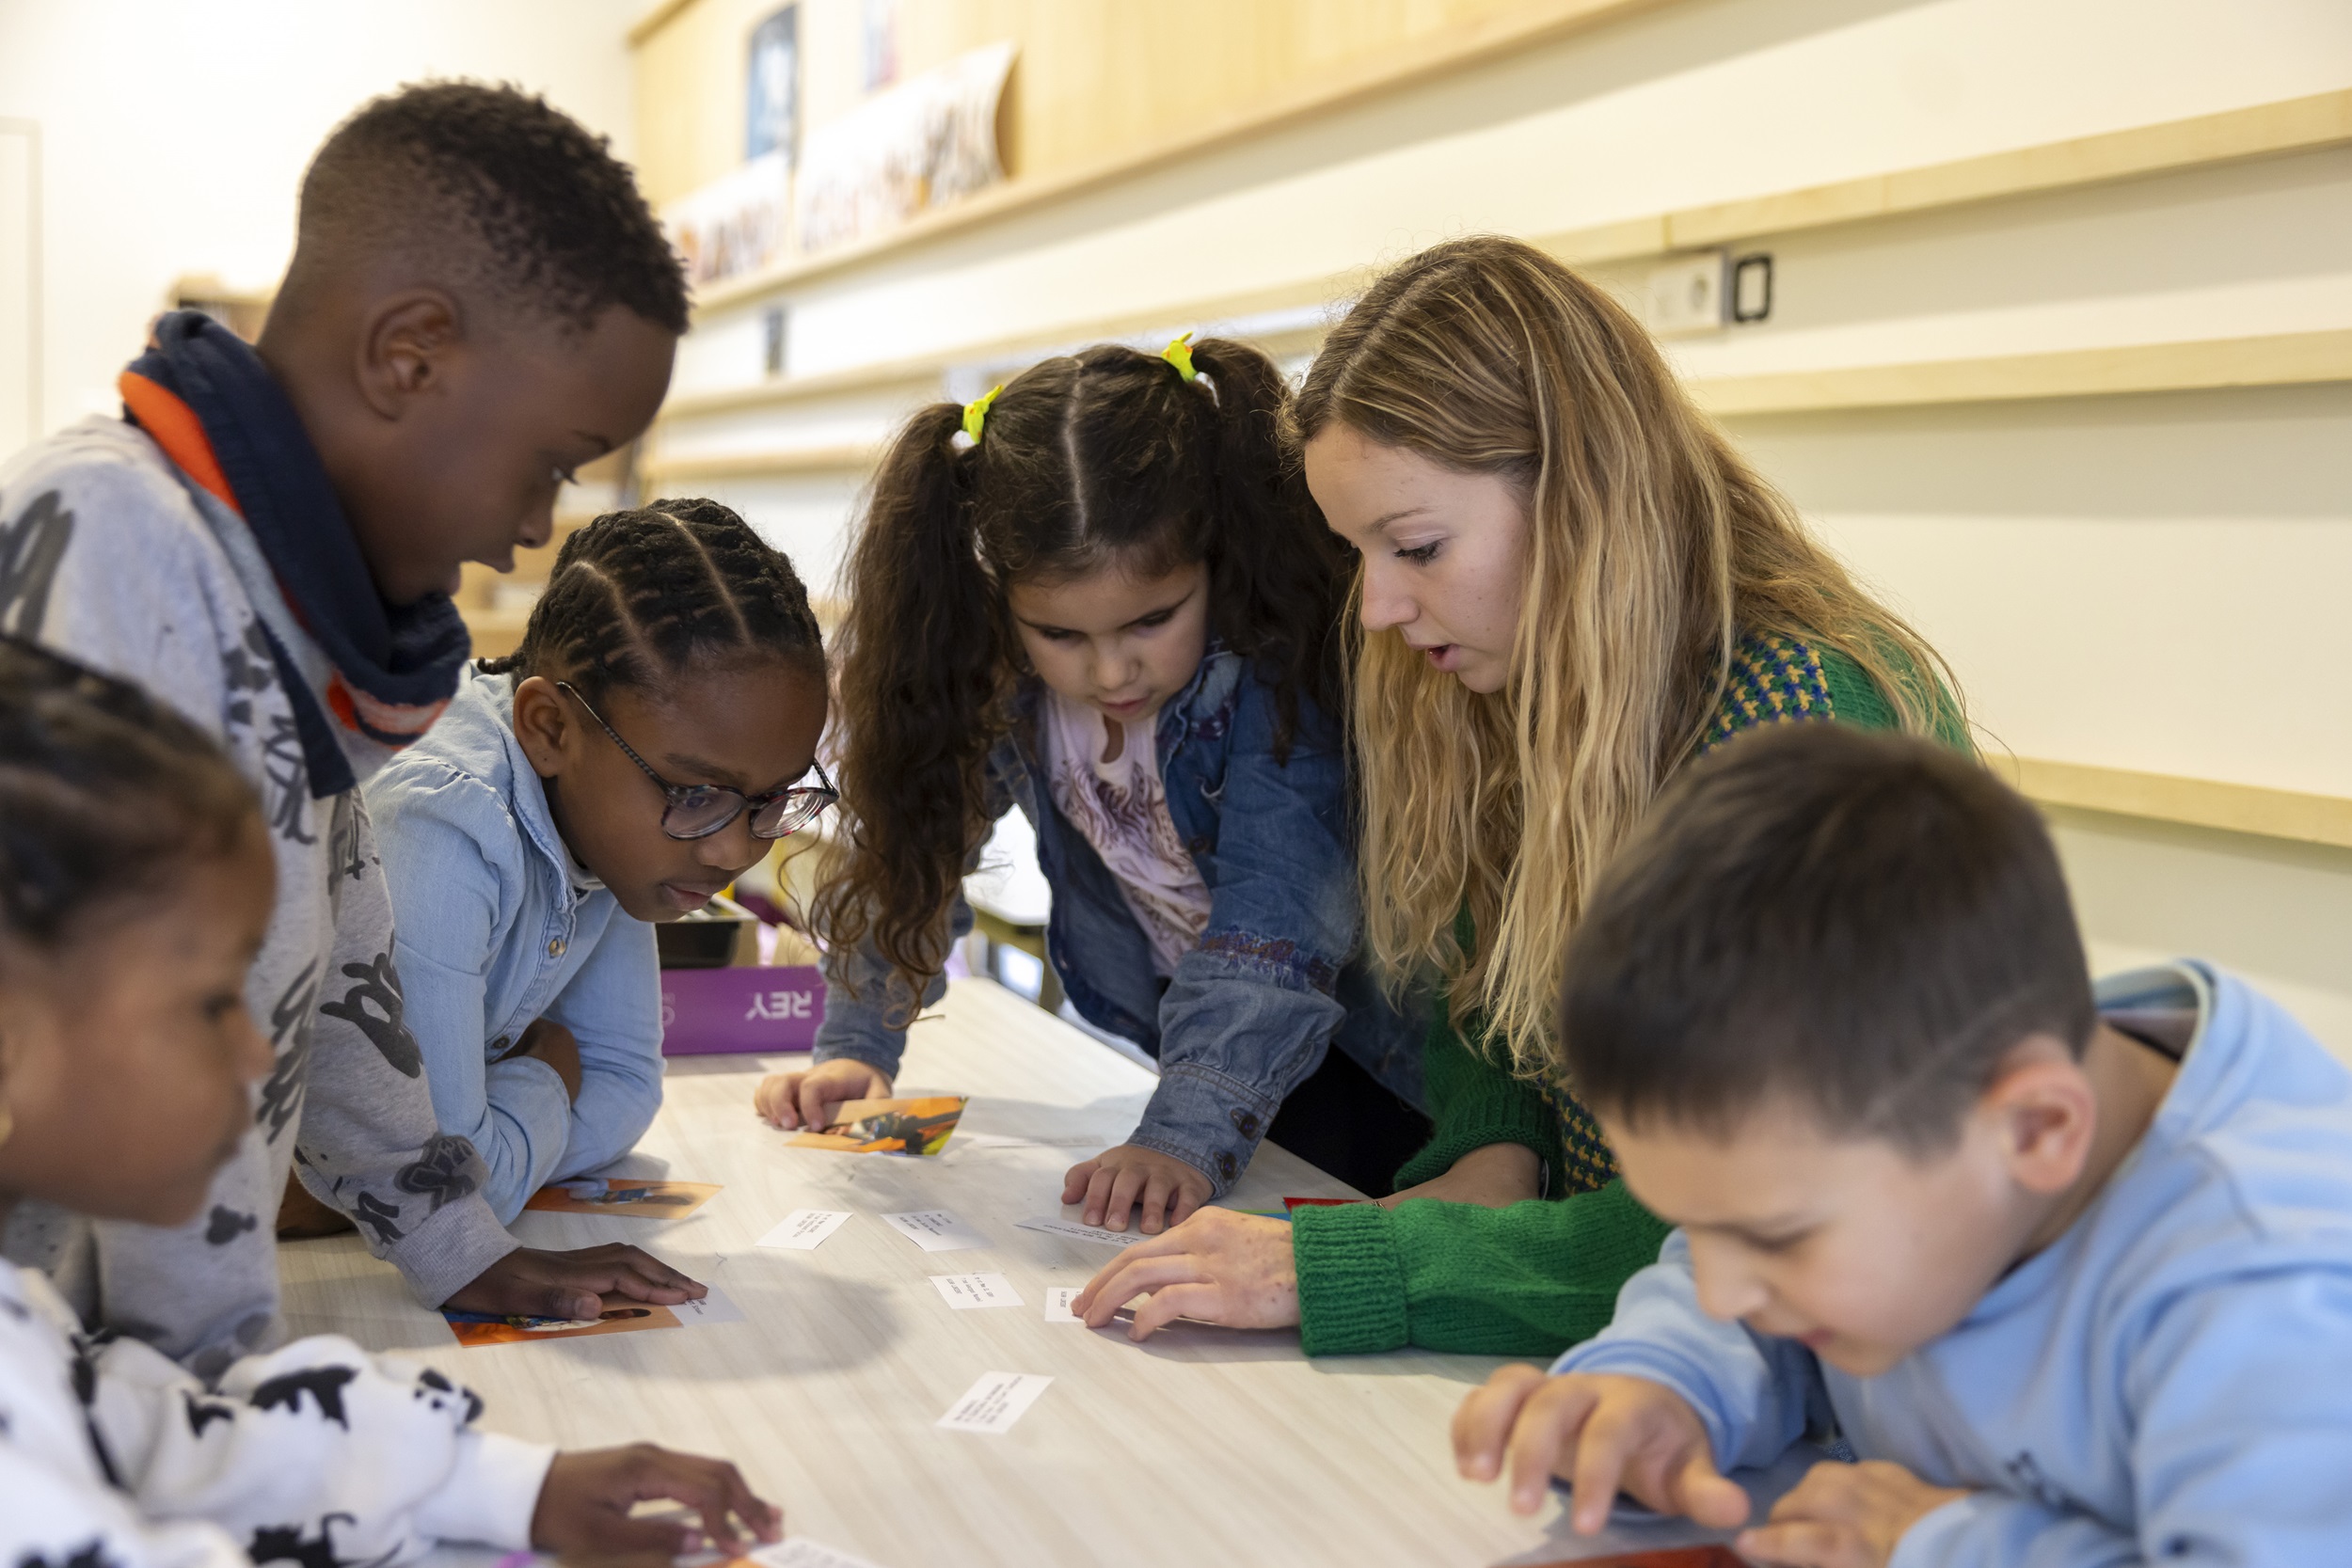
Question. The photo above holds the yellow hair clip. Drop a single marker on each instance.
(1179, 354)
(976, 412)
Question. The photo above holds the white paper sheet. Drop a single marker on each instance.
(805, 1229)
(994, 1402)
(1054, 1225)
(801, 1552)
(965, 1291)
(935, 1231)
(713, 1308)
(1058, 1300)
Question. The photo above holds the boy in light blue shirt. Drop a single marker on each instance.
(2071, 1272)
(639, 752)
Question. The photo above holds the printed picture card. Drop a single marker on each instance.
(1077, 1230)
(935, 1231)
(994, 1402)
(798, 1552)
(967, 1291)
(474, 1330)
(805, 1229)
(916, 1126)
(617, 1195)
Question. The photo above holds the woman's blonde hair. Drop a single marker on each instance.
(1653, 550)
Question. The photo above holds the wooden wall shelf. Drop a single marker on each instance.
(2282, 359)
(660, 470)
(2324, 819)
(1536, 22)
(2292, 125)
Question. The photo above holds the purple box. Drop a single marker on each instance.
(743, 1008)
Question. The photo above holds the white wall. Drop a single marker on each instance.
(174, 135)
(2150, 582)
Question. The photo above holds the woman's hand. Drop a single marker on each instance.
(1496, 1176)
(1218, 1267)
(1128, 1177)
(807, 1098)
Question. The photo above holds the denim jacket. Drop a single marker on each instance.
(1274, 980)
(496, 924)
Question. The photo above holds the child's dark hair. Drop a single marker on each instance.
(105, 793)
(1108, 458)
(1856, 927)
(491, 187)
(638, 598)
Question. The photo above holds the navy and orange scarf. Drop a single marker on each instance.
(206, 399)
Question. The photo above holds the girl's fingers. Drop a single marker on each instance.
(1126, 1187)
(1079, 1177)
(1482, 1424)
(1099, 1187)
(1155, 1197)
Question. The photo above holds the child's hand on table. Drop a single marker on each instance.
(1844, 1516)
(1602, 1434)
(533, 1283)
(585, 1503)
(807, 1098)
(1130, 1177)
(1219, 1267)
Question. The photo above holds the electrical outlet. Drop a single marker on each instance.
(1685, 294)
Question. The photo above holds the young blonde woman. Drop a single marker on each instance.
(1570, 585)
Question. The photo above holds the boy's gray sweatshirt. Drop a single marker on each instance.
(109, 555)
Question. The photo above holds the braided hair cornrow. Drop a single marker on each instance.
(637, 597)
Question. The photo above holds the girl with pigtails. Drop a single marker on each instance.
(1096, 594)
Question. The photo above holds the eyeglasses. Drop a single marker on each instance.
(697, 811)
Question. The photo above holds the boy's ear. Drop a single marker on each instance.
(544, 722)
(2047, 1112)
(405, 349)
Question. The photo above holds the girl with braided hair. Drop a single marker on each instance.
(1096, 594)
(653, 733)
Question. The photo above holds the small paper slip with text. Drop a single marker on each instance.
(1054, 1225)
(963, 1291)
(1058, 1300)
(994, 1402)
(805, 1229)
(801, 1552)
(935, 1231)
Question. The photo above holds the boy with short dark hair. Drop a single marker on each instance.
(2070, 1270)
(479, 302)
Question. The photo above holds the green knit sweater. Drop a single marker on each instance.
(1535, 1277)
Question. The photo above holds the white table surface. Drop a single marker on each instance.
(1204, 1445)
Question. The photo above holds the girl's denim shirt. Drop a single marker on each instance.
(498, 926)
(1275, 979)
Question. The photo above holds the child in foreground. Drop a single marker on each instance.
(2070, 1270)
(1097, 597)
(642, 748)
(479, 302)
(135, 885)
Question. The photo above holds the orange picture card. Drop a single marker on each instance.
(620, 1316)
(916, 1126)
(476, 1329)
(621, 1194)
